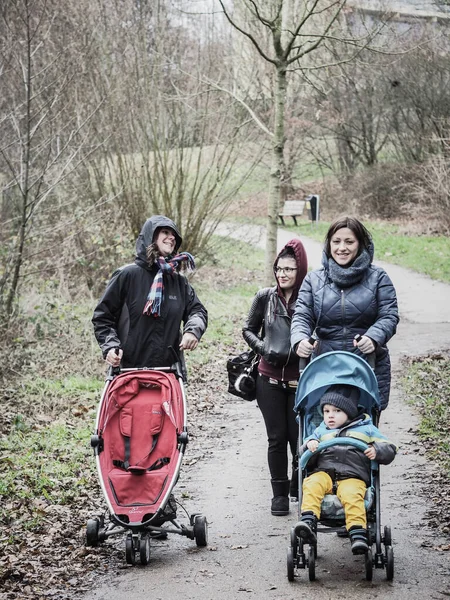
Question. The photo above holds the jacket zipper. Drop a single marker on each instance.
(285, 364)
(344, 328)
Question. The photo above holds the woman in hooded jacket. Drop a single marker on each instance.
(138, 320)
(266, 331)
(347, 297)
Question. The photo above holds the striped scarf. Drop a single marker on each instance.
(156, 293)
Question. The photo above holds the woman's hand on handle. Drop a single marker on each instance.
(305, 348)
(114, 357)
(188, 342)
(364, 344)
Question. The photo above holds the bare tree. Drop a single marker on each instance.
(283, 33)
(352, 104)
(176, 145)
(43, 139)
(420, 100)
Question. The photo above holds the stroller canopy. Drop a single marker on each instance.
(334, 368)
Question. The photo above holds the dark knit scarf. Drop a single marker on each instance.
(156, 294)
(345, 277)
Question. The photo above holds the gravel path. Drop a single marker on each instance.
(246, 556)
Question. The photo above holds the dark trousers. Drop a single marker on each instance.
(276, 403)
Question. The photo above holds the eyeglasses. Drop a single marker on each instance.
(287, 270)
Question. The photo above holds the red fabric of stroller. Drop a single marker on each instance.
(141, 414)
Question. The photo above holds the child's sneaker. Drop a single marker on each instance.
(306, 528)
(358, 539)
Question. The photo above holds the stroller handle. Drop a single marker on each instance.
(340, 441)
(371, 358)
(303, 362)
(113, 371)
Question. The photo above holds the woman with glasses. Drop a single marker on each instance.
(348, 297)
(267, 331)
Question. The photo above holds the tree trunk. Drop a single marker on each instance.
(275, 189)
(24, 170)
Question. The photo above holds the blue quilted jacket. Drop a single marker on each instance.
(336, 315)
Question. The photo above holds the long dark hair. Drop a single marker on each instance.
(152, 253)
(285, 253)
(362, 235)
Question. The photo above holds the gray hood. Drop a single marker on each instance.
(147, 235)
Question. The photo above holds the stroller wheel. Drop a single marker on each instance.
(201, 531)
(144, 549)
(387, 539)
(130, 550)
(389, 563)
(294, 543)
(368, 563)
(290, 564)
(312, 563)
(92, 529)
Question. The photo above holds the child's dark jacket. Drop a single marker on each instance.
(345, 461)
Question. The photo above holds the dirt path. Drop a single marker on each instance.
(246, 556)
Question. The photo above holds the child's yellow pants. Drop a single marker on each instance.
(350, 492)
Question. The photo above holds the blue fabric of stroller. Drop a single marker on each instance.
(329, 369)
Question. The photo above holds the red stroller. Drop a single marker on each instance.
(139, 442)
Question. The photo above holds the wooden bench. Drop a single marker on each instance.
(292, 208)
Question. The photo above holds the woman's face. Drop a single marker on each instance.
(344, 246)
(165, 241)
(286, 272)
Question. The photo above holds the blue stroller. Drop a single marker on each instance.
(326, 370)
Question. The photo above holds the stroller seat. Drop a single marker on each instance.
(142, 441)
(332, 511)
(140, 421)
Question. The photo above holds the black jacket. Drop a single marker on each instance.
(269, 318)
(119, 321)
(267, 329)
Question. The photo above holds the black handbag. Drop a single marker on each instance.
(242, 373)
(277, 324)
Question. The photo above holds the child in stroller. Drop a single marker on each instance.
(340, 448)
(345, 467)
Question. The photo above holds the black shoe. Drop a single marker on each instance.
(306, 528)
(280, 506)
(342, 532)
(358, 539)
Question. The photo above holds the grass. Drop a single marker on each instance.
(427, 385)
(46, 464)
(228, 284)
(69, 388)
(429, 255)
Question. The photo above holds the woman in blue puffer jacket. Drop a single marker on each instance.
(348, 296)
